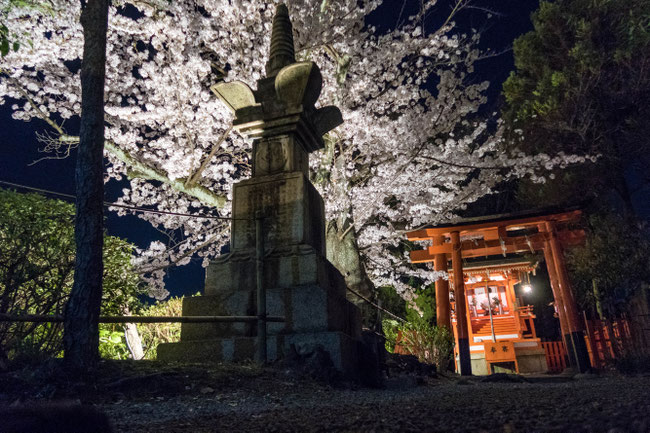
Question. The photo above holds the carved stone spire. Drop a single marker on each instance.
(282, 51)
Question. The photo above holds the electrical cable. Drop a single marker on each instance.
(123, 206)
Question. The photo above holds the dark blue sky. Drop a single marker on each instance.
(19, 147)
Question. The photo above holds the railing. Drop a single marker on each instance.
(261, 318)
(43, 318)
(555, 356)
(526, 310)
(607, 340)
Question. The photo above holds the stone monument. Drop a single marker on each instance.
(301, 284)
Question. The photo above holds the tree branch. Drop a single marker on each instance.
(193, 178)
(144, 171)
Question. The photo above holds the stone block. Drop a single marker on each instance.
(305, 308)
(297, 265)
(341, 348)
(234, 303)
(292, 208)
(532, 361)
(529, 361)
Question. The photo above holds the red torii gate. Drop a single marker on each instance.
(501, 235)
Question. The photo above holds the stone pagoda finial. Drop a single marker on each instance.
(283, 105)
(282, 50)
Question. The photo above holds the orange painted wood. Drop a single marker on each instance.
(501, 351)
(592, 345)
(600, 343)
(552, 275)
(425, 234)
(573, 320)
(443, 309)
(459, 287)
(555, 355)
(483, 247)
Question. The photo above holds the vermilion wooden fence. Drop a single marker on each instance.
(607, 341)
(555, 356)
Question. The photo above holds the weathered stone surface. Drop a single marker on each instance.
(282, 51)
(299, 84)
(236, 94)
(292, 208)
(296, 265)
(341, 348)
(306, 309)
(532, 361)
(529, 360)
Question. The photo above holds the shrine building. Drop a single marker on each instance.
(490, 322)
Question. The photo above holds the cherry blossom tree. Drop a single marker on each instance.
(409, 152)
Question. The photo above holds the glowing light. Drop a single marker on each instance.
(527, 288)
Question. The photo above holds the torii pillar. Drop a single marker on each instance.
(464, 357)
(443, 309)
(576, 336)
(557, 296)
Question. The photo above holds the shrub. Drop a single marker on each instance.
(37, 252)
(431, 344)
(153, 334)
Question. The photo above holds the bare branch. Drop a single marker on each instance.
(192, 179)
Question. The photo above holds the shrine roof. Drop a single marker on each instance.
(510, 264)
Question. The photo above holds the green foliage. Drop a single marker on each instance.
(419, 335)
(153, 334)
(581, 86)
(423, 306)
(431, 344)
(612, 266)
(391, 328)
(37, 254)
(391, 300)
(574, 42)
(112, 343)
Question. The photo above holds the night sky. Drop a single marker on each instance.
(19, 147)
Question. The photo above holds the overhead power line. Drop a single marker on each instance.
(123, 206)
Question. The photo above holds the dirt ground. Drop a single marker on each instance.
(150, 397)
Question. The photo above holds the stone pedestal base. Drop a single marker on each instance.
(530, 360)
(302, 286)
(341, 348)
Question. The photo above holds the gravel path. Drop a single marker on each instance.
(145, 396)
(603, 404)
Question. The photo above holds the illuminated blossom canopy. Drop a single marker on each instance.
(405, 155)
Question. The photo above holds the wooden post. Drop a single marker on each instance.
(595, 353)
(443, 310)
(557, 296)
(261, 290)
(515, 307)
(552, 276)
(574, 323)
(487, 291)
(465, 362)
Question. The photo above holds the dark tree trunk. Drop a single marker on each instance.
(343, 253)
(81, 335)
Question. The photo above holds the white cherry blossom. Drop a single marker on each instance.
(408, 154)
